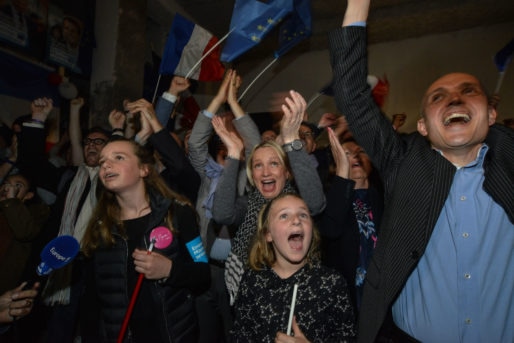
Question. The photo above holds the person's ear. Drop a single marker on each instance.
(269, 239)
(492, 114)
(144, 170)
(422, 128)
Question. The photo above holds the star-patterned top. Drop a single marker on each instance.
(323, 310)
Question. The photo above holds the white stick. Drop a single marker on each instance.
(156, 87)
(313, 99)
(291, 313)
(207, 53)
(499, 82)
(255, 79)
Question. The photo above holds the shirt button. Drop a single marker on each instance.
(467, 276)
(463, 197)
(465, 235)
(467, 321)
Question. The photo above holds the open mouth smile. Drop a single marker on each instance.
(457, 118)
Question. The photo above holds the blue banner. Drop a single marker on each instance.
(251, 21)
(295, 28)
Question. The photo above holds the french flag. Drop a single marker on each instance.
(186, 45)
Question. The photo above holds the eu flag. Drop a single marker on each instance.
(295, 28)
(251, 21)
(504, 56)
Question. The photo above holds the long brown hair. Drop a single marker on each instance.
(261, 251)
(106, 214)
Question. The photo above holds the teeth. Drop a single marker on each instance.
(296, 236)
(457, 116)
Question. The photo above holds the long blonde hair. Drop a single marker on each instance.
(261, 251)
(106, 214)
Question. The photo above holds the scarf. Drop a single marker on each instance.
(213, 171)
(57, 289)
(236, 261)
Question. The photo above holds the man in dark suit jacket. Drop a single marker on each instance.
(443, 262)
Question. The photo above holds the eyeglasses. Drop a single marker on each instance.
(95, 141)
(305, 134)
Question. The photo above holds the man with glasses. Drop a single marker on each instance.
(76, 199)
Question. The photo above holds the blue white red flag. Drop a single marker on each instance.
(186, 45)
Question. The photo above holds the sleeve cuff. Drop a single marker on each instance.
(170, 97)
(207, 114)
(358, 23)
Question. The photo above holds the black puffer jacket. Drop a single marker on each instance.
(170, 302)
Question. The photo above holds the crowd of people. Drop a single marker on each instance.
(380, 236)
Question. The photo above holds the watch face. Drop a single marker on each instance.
(297, 144)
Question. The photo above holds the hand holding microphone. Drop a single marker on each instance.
(17, 303)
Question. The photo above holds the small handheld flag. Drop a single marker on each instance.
(187, 44)
(251, 21)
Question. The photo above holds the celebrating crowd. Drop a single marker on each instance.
(381, 237)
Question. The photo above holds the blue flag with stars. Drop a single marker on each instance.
(504, 56)
(295, 28)
(251, 21)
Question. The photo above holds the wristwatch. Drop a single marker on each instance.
(294, 145)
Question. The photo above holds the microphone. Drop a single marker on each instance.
(57, 253)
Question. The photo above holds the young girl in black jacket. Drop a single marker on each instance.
(134, 202)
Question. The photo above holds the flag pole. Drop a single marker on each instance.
(499, 82)
(257, 77)
(156, 88)
(313, 99)
(207, 53)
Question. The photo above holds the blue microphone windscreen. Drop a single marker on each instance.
(57, 253)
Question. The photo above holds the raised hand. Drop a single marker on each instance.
(117, 119)
(340, 157)
(398, 120)
(327, 119)
(231, 140)
(76, 104)
(147, 111)
(178, 84)
(233, 89)
(294, 112)
(41, 108)
(341, 126)
(221, 96)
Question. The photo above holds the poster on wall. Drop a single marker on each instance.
(64, 39)
(23, 25)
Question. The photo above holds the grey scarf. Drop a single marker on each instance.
(237, 260)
